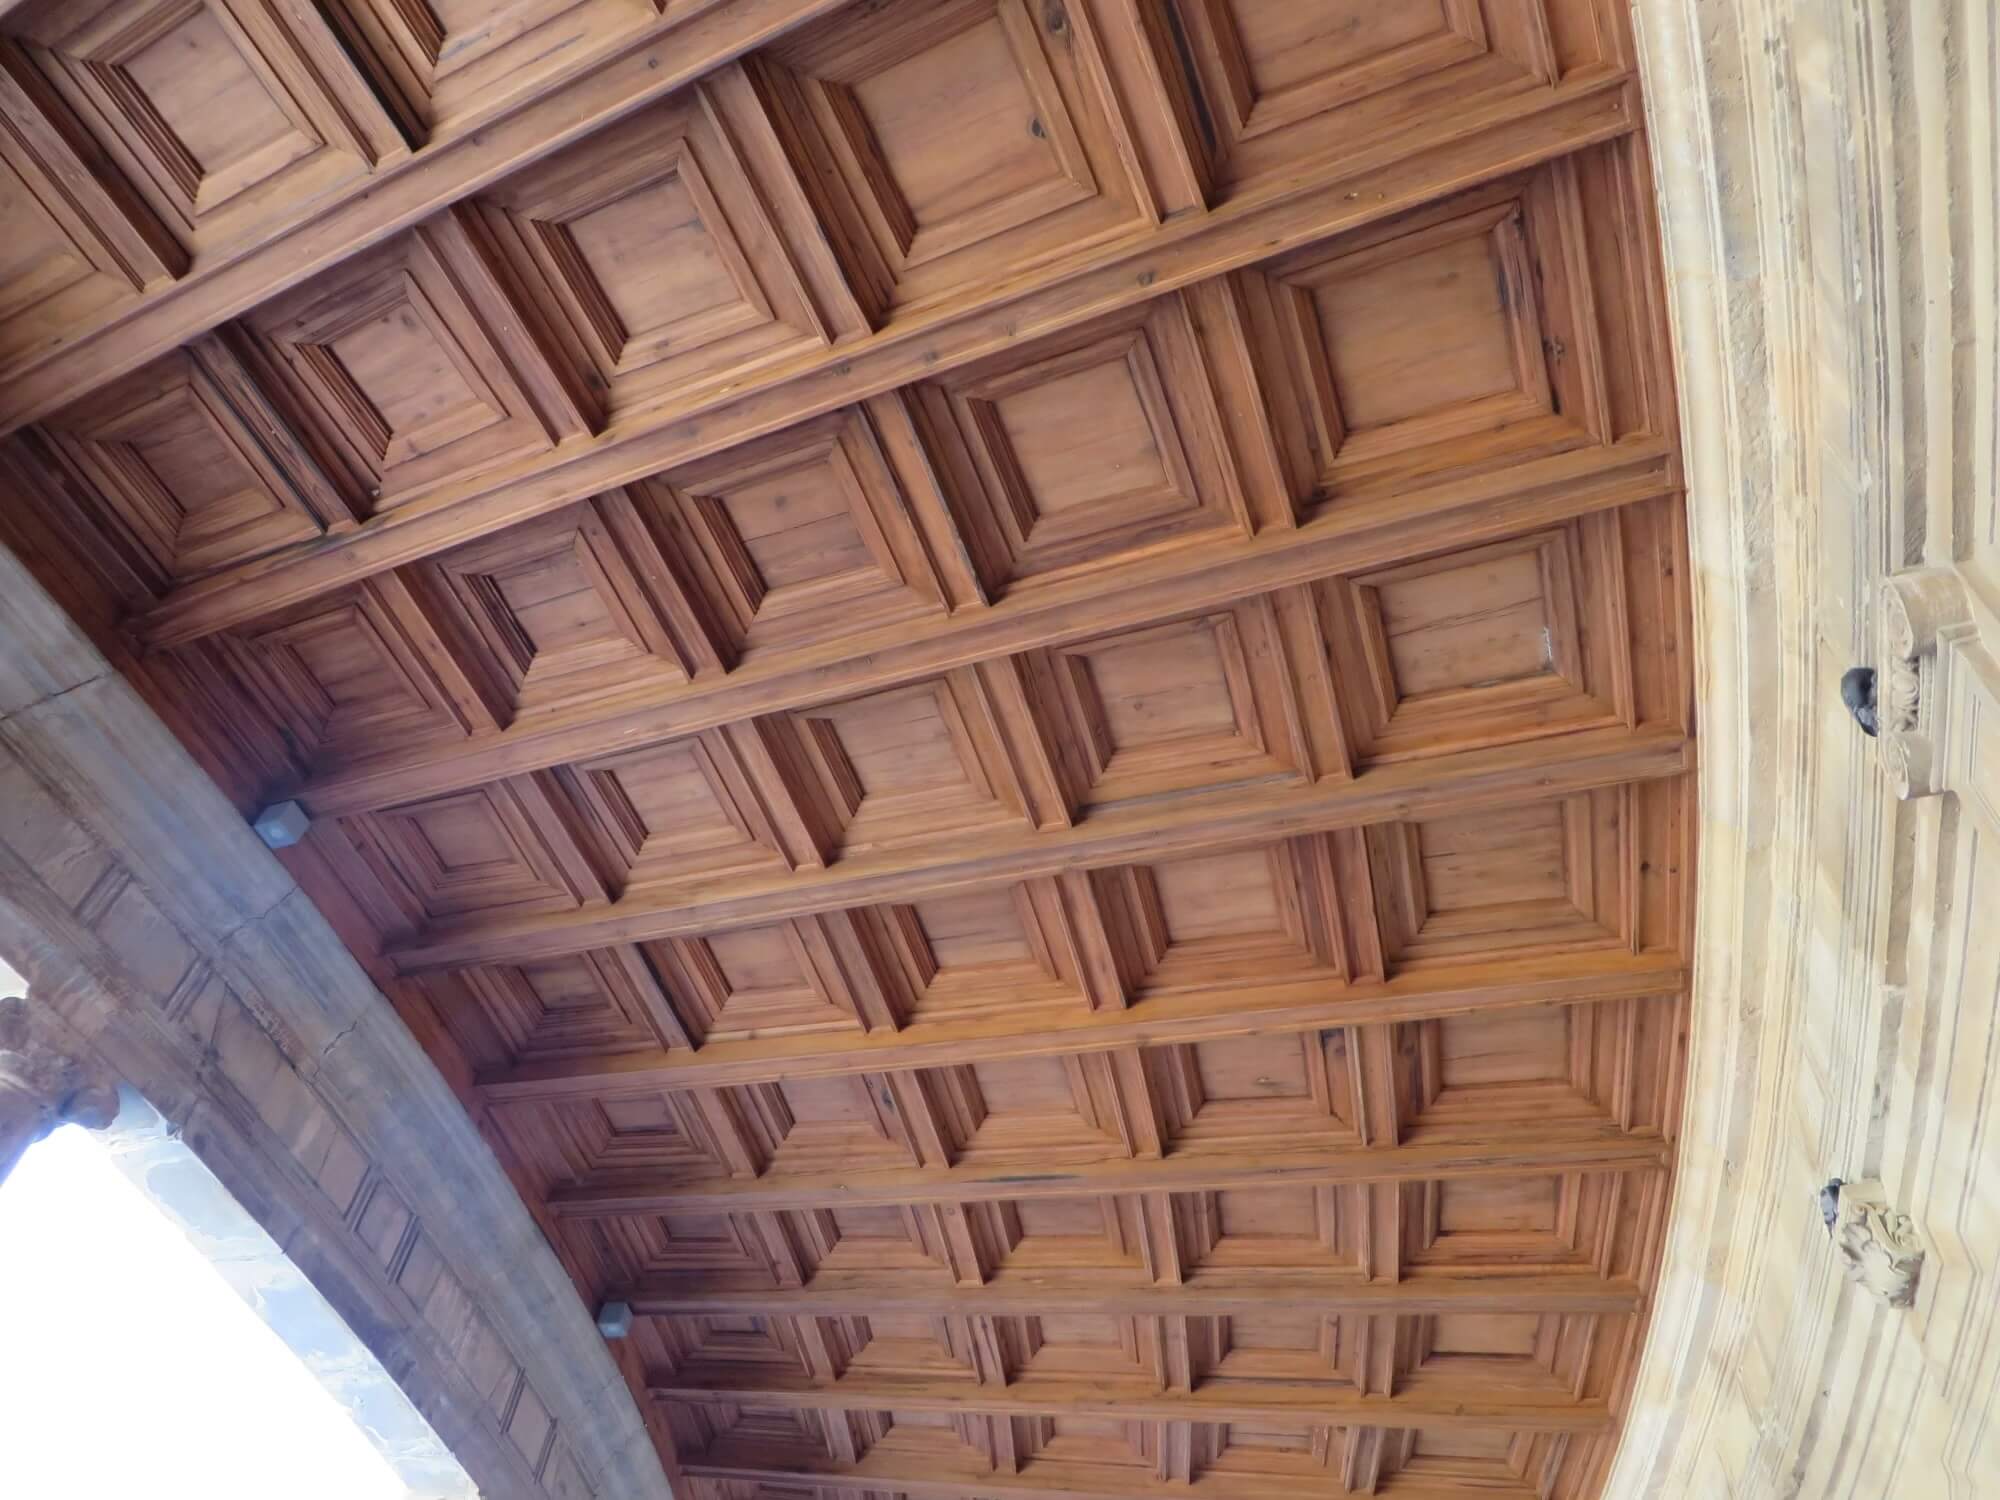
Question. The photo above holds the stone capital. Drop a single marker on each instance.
(48, 1077)
(1921, 611)
(1879, 1248)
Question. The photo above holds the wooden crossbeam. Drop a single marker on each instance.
(1252, 1008)
(1369, 533)
(1437, 1406)
(1461, 149)
(1048, 1480)
(1459, 782)
(481, 147)
(1553, 1147)
(1009, 1293)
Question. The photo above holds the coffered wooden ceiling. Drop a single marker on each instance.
(1005, 680)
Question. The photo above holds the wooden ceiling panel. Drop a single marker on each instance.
(1007, 682)
(407, 366)
(183, 481)
(225, 115)
(437, 61)
(78, 246)
(649, 256)
(952, 140)
(812, 535)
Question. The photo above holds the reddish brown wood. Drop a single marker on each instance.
(1006, 681)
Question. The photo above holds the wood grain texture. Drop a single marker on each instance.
(1009, 681)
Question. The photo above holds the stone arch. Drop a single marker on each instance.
(1828, 191)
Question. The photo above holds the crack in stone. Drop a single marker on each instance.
(28, 708)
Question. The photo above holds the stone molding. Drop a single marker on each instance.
(1831, 214)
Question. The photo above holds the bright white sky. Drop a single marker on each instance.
(130, 1370)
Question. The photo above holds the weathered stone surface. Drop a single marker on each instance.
(167, 950)
(1828, 249)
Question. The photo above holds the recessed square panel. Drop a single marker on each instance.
(186, 482)
(438, 60)
(1204, 701)
(566, 606)
(1255, 1093)
(801, 537)
(1484, 1459)
(1452, 339)
(1127, 1454)
(943, 140)
(387, 357)
(1452, 297)
(681, 811)
(1489, 1068)
(1549, 875)
(1027, 1234)
(775, 980)
(1090, 1346)
(223, 113)
(1282, 84)
(990, 951)
(1277, 1346)
(897, 1239)
(910, 763)
(816, 1124)
(724, 1250)
(214, 107)
(650, 256)
(58, 267)
(1089, 446)
(582, 1004)
(1218, 918)
(725, 1346)
(651, 1135)
(1267, 1229)
(949, 1440)
(1533, 1219)
(1266, 1450)
(1028, 1110)
(752, 1435)
(498, 847)
(352, 671)
(907, 1346)
(1512, 640)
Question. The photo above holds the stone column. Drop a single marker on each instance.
(48, 1077)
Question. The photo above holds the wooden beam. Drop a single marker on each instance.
(1437, 1406)
(1366, 534)
(1205, 1294)
(1476, 145)
(477, 149)
(1299, 1005)
(1458, 782)
(1043, 1479)
(1545, 1149)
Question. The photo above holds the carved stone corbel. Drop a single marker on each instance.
(1879, 1248)
(1920, 611)
(48, 1077)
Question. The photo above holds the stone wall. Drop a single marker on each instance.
(1828, 185)
(178, 953)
